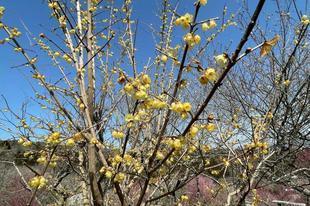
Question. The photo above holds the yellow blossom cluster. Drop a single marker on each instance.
(24, 141)
(2, 9)
(138, 87)
(191, 39)
(80, 104)
(42, 159)
(193, 131)
(209, 75)
(221, 60)
(262, 146)
(38, 182)
(119, 177)
(208, 25)
(286, 82)
(185, 20)
(305, 20)
(54, 138)
(118, 134)
(155, 103)
(67, 58)
(108, 172)
(203, 2)
(53, 5)
(164, 58)
(53, 161)
(38, 76)
(77, 136)
(141, 116)
(70, 142)
(62, 21)
(181, 108)
(14, 33)
(210, 127)
(175, 143)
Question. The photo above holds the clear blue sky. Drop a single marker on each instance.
(34, 14)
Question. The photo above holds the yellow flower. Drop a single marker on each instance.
(204, 26)
(160, 155)
(128, 159)
(145, 79)
(118, 134)
(27, 143)
(119, 177)
(140, 95)
(94, 141)
(221, 60)
(22, 140)
(305, 20)
(193, 131)
(184, 198)
(197, 39)
(2, 9)
(67, 58)
(269, 115)
(215, 172)
(287, 82)
(164, 58)
(54, 138)
(156, 104)
(41, 160)
(53, 5)
(188, 38)
(206, 148)
(181, 108)
(117, 158)
(226, 162)
(77, 137)
(187, 106)
(212, 24)
(70, 142)
(191, 39)
(108, 174)
(210, 127)
(203, 79)
(177, 144)
(37, 182)
(184, 21)
(203, 2)
(211, 74)
(128, 88)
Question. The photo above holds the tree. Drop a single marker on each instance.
(136, 136)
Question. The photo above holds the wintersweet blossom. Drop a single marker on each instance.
(119, 177)
(185, 20)
(118, 134)
(203, 2)
(221, 60)
(305, 20)
(2, 9)
(164, 58)
(210, 25)
(37, 182)
(181, 108)
(192, 39)
(193, 131)
(70, 142)
(54, 138)
(209, 75)
(210, 127)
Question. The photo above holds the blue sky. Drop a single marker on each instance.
(34, 14)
